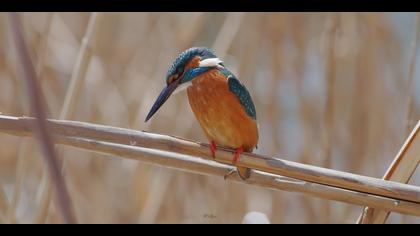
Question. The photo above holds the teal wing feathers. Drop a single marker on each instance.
(237, 88)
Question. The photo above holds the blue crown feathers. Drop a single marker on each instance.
(183, 58)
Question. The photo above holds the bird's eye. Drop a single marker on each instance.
(178, 73)
(179, 70)
(172, 79)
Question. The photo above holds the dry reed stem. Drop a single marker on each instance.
(329, 112)
(70, 101)
(227, 33)
(24, 149)
(322, 176)
(406, 161)
(401, 170)
(26, 146)
(190, 33)
(415, 40)
(39, 111)
(79, 70)
(4, 205)
(44, 45)
(258, 178)
(43, 197)
(155, 196)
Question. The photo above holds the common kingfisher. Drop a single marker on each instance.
(220, 102)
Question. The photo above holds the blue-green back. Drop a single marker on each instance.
(237, 88)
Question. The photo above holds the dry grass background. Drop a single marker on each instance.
(330, 90)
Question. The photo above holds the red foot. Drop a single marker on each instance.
(237, 154)
(213, 149)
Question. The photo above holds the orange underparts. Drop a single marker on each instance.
(220, 113)
(222, 116)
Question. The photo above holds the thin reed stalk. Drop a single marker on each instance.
(41, 128)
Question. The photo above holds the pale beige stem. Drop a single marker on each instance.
(415, 40)
(227, 33)
(406, 161)
(70, 101)
(401, 170)
(4, 205)
(26, 147)
(258, 178)
(344, 180)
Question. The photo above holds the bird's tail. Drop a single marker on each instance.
(244, 172)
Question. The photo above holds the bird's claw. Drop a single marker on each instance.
(236, 156)
(233, 171)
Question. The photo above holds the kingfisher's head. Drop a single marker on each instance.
(187, 66)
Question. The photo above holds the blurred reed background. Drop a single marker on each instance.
(331, 89)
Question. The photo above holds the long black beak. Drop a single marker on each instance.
(163, 96)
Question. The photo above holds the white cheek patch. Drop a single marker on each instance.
(210, 62)
(182, 87)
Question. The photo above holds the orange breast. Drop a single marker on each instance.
(220, 113)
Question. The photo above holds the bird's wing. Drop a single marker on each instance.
(237, 88)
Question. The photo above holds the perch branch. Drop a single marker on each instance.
(171, 152)
(201, 166)
(401, 170)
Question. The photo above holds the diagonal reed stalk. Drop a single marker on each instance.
(401, 170)
(407, 159)
(414, 43)
(227, 33)
(26, 147)
(41, 128)
(70, 101)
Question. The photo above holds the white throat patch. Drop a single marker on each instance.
(210, 62)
